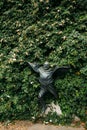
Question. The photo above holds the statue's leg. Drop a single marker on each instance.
(52, 90)
(40, 98)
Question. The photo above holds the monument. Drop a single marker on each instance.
(46, 78)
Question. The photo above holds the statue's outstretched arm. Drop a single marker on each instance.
(64, 68)
(60, 70)
(34, 66)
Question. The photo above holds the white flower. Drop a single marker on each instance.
(48, 35)
(14, 59)
(58, 10)
(33, 117)
(8, 96)
(31, 82)
(64, 37)
(60, 24)
(50, 120)
(60, 32)
(60, 48)
(41, 0)
(63, 21)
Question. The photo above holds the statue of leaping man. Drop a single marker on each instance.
(46, 79)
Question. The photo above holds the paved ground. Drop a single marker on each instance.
(26, 125)
(51, 127)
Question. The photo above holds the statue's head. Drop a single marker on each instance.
(46, 65)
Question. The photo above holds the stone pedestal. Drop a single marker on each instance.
(53, 108)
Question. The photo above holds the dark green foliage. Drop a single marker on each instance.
(38, 31)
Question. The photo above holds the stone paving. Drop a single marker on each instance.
(26, 125)
(51, 127)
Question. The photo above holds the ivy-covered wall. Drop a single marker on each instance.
(42, 30)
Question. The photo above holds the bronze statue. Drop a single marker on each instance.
(46, 79)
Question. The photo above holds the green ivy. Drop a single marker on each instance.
(42, 30)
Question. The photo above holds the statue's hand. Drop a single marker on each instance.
(32, 64)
